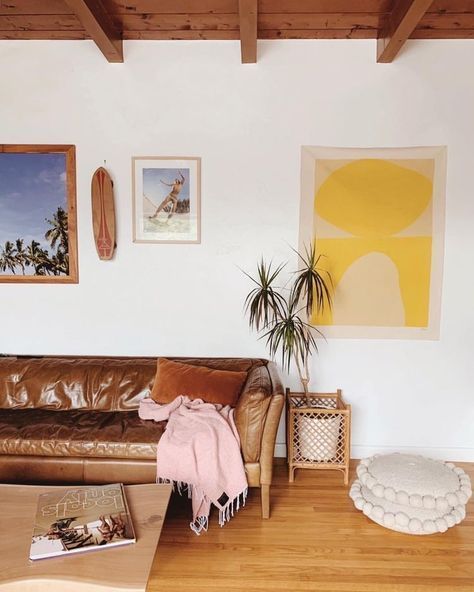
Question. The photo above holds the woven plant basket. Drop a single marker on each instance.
(322, 449)
(318, 432)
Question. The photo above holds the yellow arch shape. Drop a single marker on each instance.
(412, 257)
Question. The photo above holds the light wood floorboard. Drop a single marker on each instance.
(314, 541)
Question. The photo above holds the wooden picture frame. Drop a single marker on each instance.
(38, 226)
(166, 199)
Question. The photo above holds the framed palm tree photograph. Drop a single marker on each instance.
(38, 239)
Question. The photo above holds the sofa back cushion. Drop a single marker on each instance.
(102, 384)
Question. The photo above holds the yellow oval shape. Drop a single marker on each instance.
(373, 197)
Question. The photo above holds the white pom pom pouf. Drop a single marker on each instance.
(410, 493)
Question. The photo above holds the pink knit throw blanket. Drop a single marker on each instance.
(200, 450)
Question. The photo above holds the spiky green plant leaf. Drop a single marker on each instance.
(293, 337)
(311, 283)
(264, 303)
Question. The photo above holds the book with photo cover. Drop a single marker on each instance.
(77, 519)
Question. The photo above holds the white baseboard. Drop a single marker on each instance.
(280, 449)
(440, 453)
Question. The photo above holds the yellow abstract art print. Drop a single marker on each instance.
(377, 217)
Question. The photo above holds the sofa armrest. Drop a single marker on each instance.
(272, 421)
(261, 393)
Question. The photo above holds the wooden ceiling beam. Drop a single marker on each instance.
(248, 30)
(98, 24)
(401, 23)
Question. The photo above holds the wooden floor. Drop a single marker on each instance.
(314, 540)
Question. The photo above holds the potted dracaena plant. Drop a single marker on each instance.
(280, 314)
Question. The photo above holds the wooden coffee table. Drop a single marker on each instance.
(123, 569)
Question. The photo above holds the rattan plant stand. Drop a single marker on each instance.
(318, 434)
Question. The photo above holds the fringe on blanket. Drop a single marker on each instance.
(232, 506)
(202, 522)
(179, 486)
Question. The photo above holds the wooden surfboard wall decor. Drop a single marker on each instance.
(103, 213)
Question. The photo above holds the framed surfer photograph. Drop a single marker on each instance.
(38, 241)
(166, 199)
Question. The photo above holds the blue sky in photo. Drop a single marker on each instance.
(32, 187)
(154, 189)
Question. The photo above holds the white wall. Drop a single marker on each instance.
(248, 124)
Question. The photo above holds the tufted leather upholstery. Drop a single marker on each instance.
(74, 419)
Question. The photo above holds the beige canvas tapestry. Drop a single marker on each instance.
(377, 216)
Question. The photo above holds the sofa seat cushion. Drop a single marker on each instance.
(39, 432)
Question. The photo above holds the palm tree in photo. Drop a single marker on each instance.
(62, 262)
(37, 257)
(20, 254)
(46, 262)
(58, 263)
(8, 257)
(57, 236)
(58, 233)
(15, 255)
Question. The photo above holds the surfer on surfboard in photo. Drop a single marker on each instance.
(172, 198)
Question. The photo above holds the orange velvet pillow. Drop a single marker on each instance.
(197, 382)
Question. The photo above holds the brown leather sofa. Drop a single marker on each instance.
(75, 420)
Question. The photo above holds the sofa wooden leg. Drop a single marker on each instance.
(265, 495)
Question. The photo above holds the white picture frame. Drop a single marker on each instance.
(166, 199)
